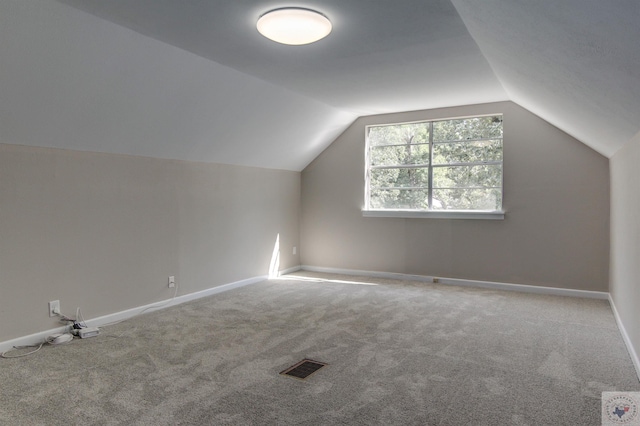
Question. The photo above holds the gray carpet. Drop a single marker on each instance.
(399, 353)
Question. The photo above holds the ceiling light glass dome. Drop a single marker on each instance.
(294, 26)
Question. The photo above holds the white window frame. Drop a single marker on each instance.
(434, 214)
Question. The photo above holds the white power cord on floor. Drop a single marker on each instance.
(6, 353)
(59, 339)
(53, 340)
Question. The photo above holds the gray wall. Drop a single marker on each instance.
(556, 197)
(104, 232)
(625, 238)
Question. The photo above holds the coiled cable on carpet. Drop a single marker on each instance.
(54, 340)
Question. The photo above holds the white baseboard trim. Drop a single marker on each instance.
(37, 338)
(290, 270)
(465, 283)
(625, 336)
(32, 339)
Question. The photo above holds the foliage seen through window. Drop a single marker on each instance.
(435, 165)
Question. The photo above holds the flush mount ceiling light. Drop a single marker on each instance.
(294, 25)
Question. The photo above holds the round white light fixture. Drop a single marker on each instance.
(294, 25)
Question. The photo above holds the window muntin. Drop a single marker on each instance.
(439, 165)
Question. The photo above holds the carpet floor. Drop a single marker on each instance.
(398, 353)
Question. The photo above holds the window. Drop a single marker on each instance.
(435, 166)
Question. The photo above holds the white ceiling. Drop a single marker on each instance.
(194, 80)
(381, 56)
(575, 63)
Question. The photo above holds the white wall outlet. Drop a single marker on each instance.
(54, 308)
(172, 281)
(295, 250)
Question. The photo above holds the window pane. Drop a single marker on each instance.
(482, 175)
(468, 128)
(467, 152)
(399, 134)
(399, 155)
(399, 165)
(467, 199)
(399, 177)
(405, 199)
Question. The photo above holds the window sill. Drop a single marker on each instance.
(439, 214)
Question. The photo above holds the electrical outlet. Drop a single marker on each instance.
(54, 308)
(295, 250)
(172, 281)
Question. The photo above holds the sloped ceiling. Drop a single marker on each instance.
(194, 80)
(70, 80)
(575, 63)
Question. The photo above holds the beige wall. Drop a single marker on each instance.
(104, 232)
(556, 197)
(625, 238)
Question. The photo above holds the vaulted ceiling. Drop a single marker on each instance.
(194, 80)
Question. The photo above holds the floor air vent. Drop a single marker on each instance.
(303, 369)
